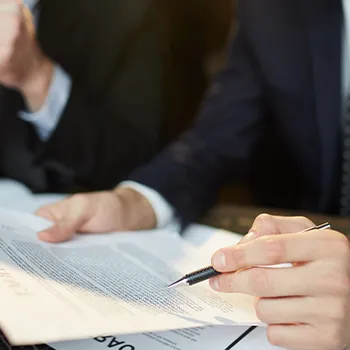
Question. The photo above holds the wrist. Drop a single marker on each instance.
(36, 86)
(138, 213)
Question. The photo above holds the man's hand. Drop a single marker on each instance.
(266, 225)
(306, 306)
(23, 66)
(122, 209)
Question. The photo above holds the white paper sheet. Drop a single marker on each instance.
(102, 284)
(205, 338)
(15, 196)
(218, 338)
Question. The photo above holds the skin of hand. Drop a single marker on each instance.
(305, 306)
(23, 66)
(121, 209)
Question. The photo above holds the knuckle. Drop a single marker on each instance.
(226, 283)
(338, 312)
(342, 245)
(332, 338)
(264, 218)
(260, 283)
(305, 221)
(78, 199)
(230, 282)
(335, 281)
(274, 249)
(341, 286)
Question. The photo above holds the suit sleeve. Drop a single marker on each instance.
(108, 129)
(189, 172)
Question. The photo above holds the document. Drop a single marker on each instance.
(98, 285)
(205, 239)
(211, 337)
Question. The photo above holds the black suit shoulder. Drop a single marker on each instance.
(265, 90)
(115, 53)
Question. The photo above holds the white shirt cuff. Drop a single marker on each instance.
(46, 119)
(163, 210)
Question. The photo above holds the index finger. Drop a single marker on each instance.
(266, 224)
(278, 249)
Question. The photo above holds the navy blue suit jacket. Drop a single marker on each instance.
(273, 116)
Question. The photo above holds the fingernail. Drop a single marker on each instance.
(219, 260)
(44, 236)
(249, 237)
(49, 235)
(214, 283)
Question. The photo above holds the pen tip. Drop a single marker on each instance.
(179, 283)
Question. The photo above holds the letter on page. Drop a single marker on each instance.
(202, 338)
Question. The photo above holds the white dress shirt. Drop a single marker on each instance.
(346, 51)
(46, 119)
(163, 210)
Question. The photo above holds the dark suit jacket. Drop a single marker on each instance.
(273, 115)
(115, 53)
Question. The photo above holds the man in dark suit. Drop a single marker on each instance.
(284, 90)
(82, 96)
(287, 77)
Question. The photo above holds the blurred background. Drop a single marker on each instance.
(127, 77)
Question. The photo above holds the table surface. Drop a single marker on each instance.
(240, 218)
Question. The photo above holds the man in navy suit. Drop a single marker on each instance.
(274, 115)
(279, 114)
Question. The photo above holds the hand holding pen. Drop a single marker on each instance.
(306, 306)
(209, 272)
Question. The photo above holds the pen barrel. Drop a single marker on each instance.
(201, 275)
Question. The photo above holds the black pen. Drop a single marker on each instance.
(209, 272)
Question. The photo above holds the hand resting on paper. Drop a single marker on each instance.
(306, 306)
(121, 209)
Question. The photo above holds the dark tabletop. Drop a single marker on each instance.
(240, 218)
(4, 345)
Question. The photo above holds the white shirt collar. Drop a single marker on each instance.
(30, 3)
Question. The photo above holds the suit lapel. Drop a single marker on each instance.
(324, 20)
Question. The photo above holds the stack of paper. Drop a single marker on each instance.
(115, 284)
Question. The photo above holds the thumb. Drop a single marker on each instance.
(266, 224)
(60, 232)
(67, 220)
